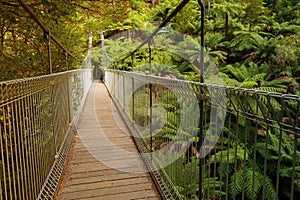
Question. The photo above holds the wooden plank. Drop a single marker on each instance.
(96, 165)
(101, 135)
(101, 185)
(98, 173)
(105, 178)
(108, 192)
(124, 196)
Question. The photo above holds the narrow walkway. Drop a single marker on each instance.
(104, 162)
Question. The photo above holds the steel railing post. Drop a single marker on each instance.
(150, 105)
(124, 92)
(133, 120)
(201, 103)
(150, 98)
(132, 69)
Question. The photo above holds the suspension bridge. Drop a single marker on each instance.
(68, 140)
(136, 136)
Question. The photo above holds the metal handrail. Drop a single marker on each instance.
(259, 132)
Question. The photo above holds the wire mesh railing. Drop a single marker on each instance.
(37, 120)
(244, 145)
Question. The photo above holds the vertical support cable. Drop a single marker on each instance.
(255, 147)
(124, 92)
(133, 120)
(150, 57)
(66, 59)
(150, 105)
(201, 103)
(132, 62)
(279, 151)
(201, 125)
(28, 147)
(69, 100)
(296, 124)
(247, 124)
(132, 69)
(89, 60)
(103, 49)
(150, 96)
(267, 140)
(52, 101)
(202, 42)
(48, 37)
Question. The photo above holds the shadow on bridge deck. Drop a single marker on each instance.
(91, 171)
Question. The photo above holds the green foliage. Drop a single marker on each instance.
(287, 11)
(246, 176)
(255, 44)
(23, 47)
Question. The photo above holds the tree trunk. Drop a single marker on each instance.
(2, 32)
(226, 26)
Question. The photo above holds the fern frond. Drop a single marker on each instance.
(248, 84)
(258, 77)
(270, 190)
(254, 189)
(271, 89)
(237, 74)
(235, 186)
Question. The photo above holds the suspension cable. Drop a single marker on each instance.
(45, 29)
(149, 38)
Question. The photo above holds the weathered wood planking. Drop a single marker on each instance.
(86, 177)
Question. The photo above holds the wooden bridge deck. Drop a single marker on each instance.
(91, 172)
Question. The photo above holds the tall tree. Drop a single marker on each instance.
(23, 46)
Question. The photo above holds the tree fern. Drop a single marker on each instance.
(211, 188)
(246, 176)
(247, 41)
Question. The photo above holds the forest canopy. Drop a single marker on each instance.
(254, 43)
(23, 49)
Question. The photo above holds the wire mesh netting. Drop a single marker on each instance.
(37, 120)
(204, 141)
